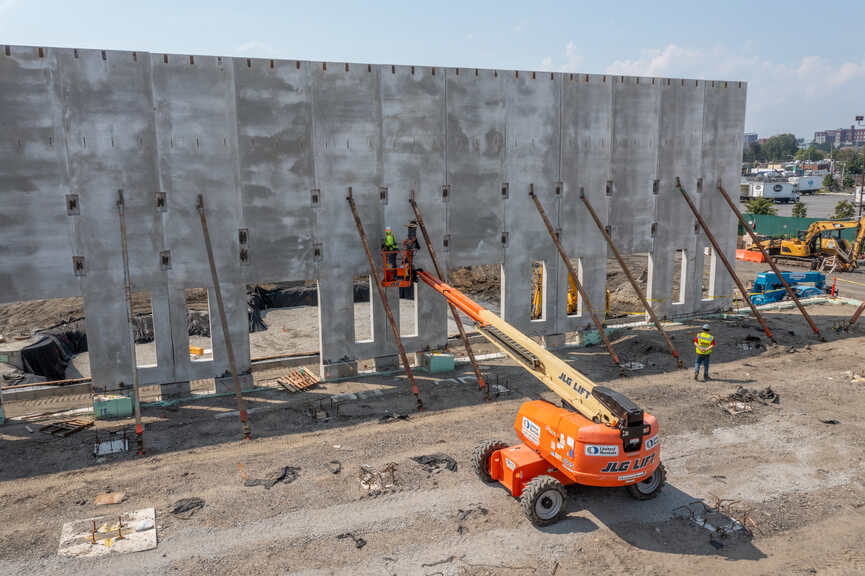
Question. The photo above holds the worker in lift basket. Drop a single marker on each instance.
(390, 246)
(704, 343)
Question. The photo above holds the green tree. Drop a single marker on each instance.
(812, 153)
(848, 181)
(780, 147)
(753, 153)
(760, 206)
(829, 183)
(800, 210)
(852, 157)
(843, 210)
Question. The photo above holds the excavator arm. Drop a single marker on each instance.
(597, 403)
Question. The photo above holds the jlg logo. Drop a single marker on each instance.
(624, 466)
(576, 386)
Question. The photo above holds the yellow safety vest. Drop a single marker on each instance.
(704, 343)
(390, 242)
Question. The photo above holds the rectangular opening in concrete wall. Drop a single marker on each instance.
(25, 357)
(283, 319)
(575, 301)
(707, 290)
(623, 304)
(408, 311)
(145, 334)
(198, 324)
(539, 291)
(680, 269)
(363, 316)
(484, 284)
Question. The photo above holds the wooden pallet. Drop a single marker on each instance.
(64, 428)
(297, 380)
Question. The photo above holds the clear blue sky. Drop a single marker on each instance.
(804, 61)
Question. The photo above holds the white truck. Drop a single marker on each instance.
(780, 191)
(806, 185)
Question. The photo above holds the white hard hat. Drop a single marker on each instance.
(705, 326)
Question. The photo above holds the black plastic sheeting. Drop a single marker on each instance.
(49, 356)
(259, 299)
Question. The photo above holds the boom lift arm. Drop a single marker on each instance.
(596, 403)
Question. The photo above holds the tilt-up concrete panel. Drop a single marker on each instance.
(475, 157)
(412, 118)
(273, 146)
(586, 139)
(36, 254)
(679, 155)
(533, 130)
(723, 135)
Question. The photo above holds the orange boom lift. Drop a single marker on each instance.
(604, 439)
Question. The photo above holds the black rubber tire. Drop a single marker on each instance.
(481, 458)
(542, 489)
(646, 491)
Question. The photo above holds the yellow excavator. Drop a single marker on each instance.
(822, 245)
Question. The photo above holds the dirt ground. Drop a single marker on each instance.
(794, 472)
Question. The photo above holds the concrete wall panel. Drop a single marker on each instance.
(636, 106)
(261, 139)
(476, 124)
(533, 152)
(586, 132)
(35, 251)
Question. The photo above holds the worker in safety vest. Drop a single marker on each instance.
(389, 245)
(704, 343)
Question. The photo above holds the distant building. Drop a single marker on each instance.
(841, 137)
(750, 138)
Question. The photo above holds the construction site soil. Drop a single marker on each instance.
(794, 469)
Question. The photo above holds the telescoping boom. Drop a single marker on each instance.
(596, 403)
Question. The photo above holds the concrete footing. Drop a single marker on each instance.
(226, 383)
(338, 370)
(173, 390)
(386, 363)
(554, 341)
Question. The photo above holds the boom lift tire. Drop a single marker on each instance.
(481, 458)
(543, 500)
(651, 486)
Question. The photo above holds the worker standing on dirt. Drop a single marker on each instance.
(704, 343)
(390, 246)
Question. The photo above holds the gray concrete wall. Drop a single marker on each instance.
(258, 137)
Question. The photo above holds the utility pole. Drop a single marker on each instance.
(860, 120)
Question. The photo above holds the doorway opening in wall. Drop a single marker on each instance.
(538, 302)
(483, 283)
(408, 311)
(283, 319)
(145, 334)
(42, 341)
(680, 275)
(363, 309)
(574, 300)
(707, 291)
(198, 324)
(623, 304)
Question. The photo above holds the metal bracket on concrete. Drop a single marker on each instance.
(627, 272)
(769, 259)
(554, 234)
(724, 260)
